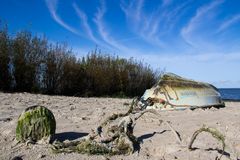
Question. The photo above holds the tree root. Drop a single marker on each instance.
(108, 139)
(115, 116)
(175, 133)
(111, 138)
(214, 132)
(153, 111)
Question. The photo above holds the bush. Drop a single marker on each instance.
(31, 64)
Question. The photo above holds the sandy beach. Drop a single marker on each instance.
(76, 116)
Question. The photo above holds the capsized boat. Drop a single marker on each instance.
(173, 92)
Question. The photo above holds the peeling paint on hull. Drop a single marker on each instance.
(173, 92)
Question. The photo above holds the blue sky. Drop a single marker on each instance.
(198, 39)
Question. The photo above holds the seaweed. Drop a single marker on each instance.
(120, 145)
(35, 123)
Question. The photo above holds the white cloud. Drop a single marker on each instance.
(166, 2)
(142, 24)
(133, 10)
(101, 27)
(138, 11)
(197, 20)
(84, 21)
(52, 7)
(229, 23)
(208, 67)
(103, 30)
(154, 24)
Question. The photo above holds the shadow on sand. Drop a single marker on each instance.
(220, 151)
(67, 136)
(149, 135)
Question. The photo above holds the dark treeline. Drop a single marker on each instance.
(31, 64)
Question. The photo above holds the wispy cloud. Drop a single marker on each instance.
(187, 38)
(84, 21)
(208, 67)
(133, 10)
(52, 7)
(204, 58)
(166, 2)
(101, 27)
(229, 22)
(215, 57)
(152, 25)
(197, 20)
(160, 33)
(139, 7)
(142, 24)
(103, 30)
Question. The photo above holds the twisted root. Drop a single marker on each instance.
(214, 132)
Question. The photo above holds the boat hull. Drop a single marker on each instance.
(177, 93)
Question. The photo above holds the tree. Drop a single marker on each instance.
(5, 74)
(53, 69)
(30, 64)
(28, 57)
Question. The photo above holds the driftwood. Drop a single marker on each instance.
(175, 133)
(153, 111)
(113, 136)
(108, 138)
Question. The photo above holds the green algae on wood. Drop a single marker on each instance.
(84, 146)
(109, 138)
(214, 132)
(121, 145)
(35, 123)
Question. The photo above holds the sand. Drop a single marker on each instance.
(77, 116)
